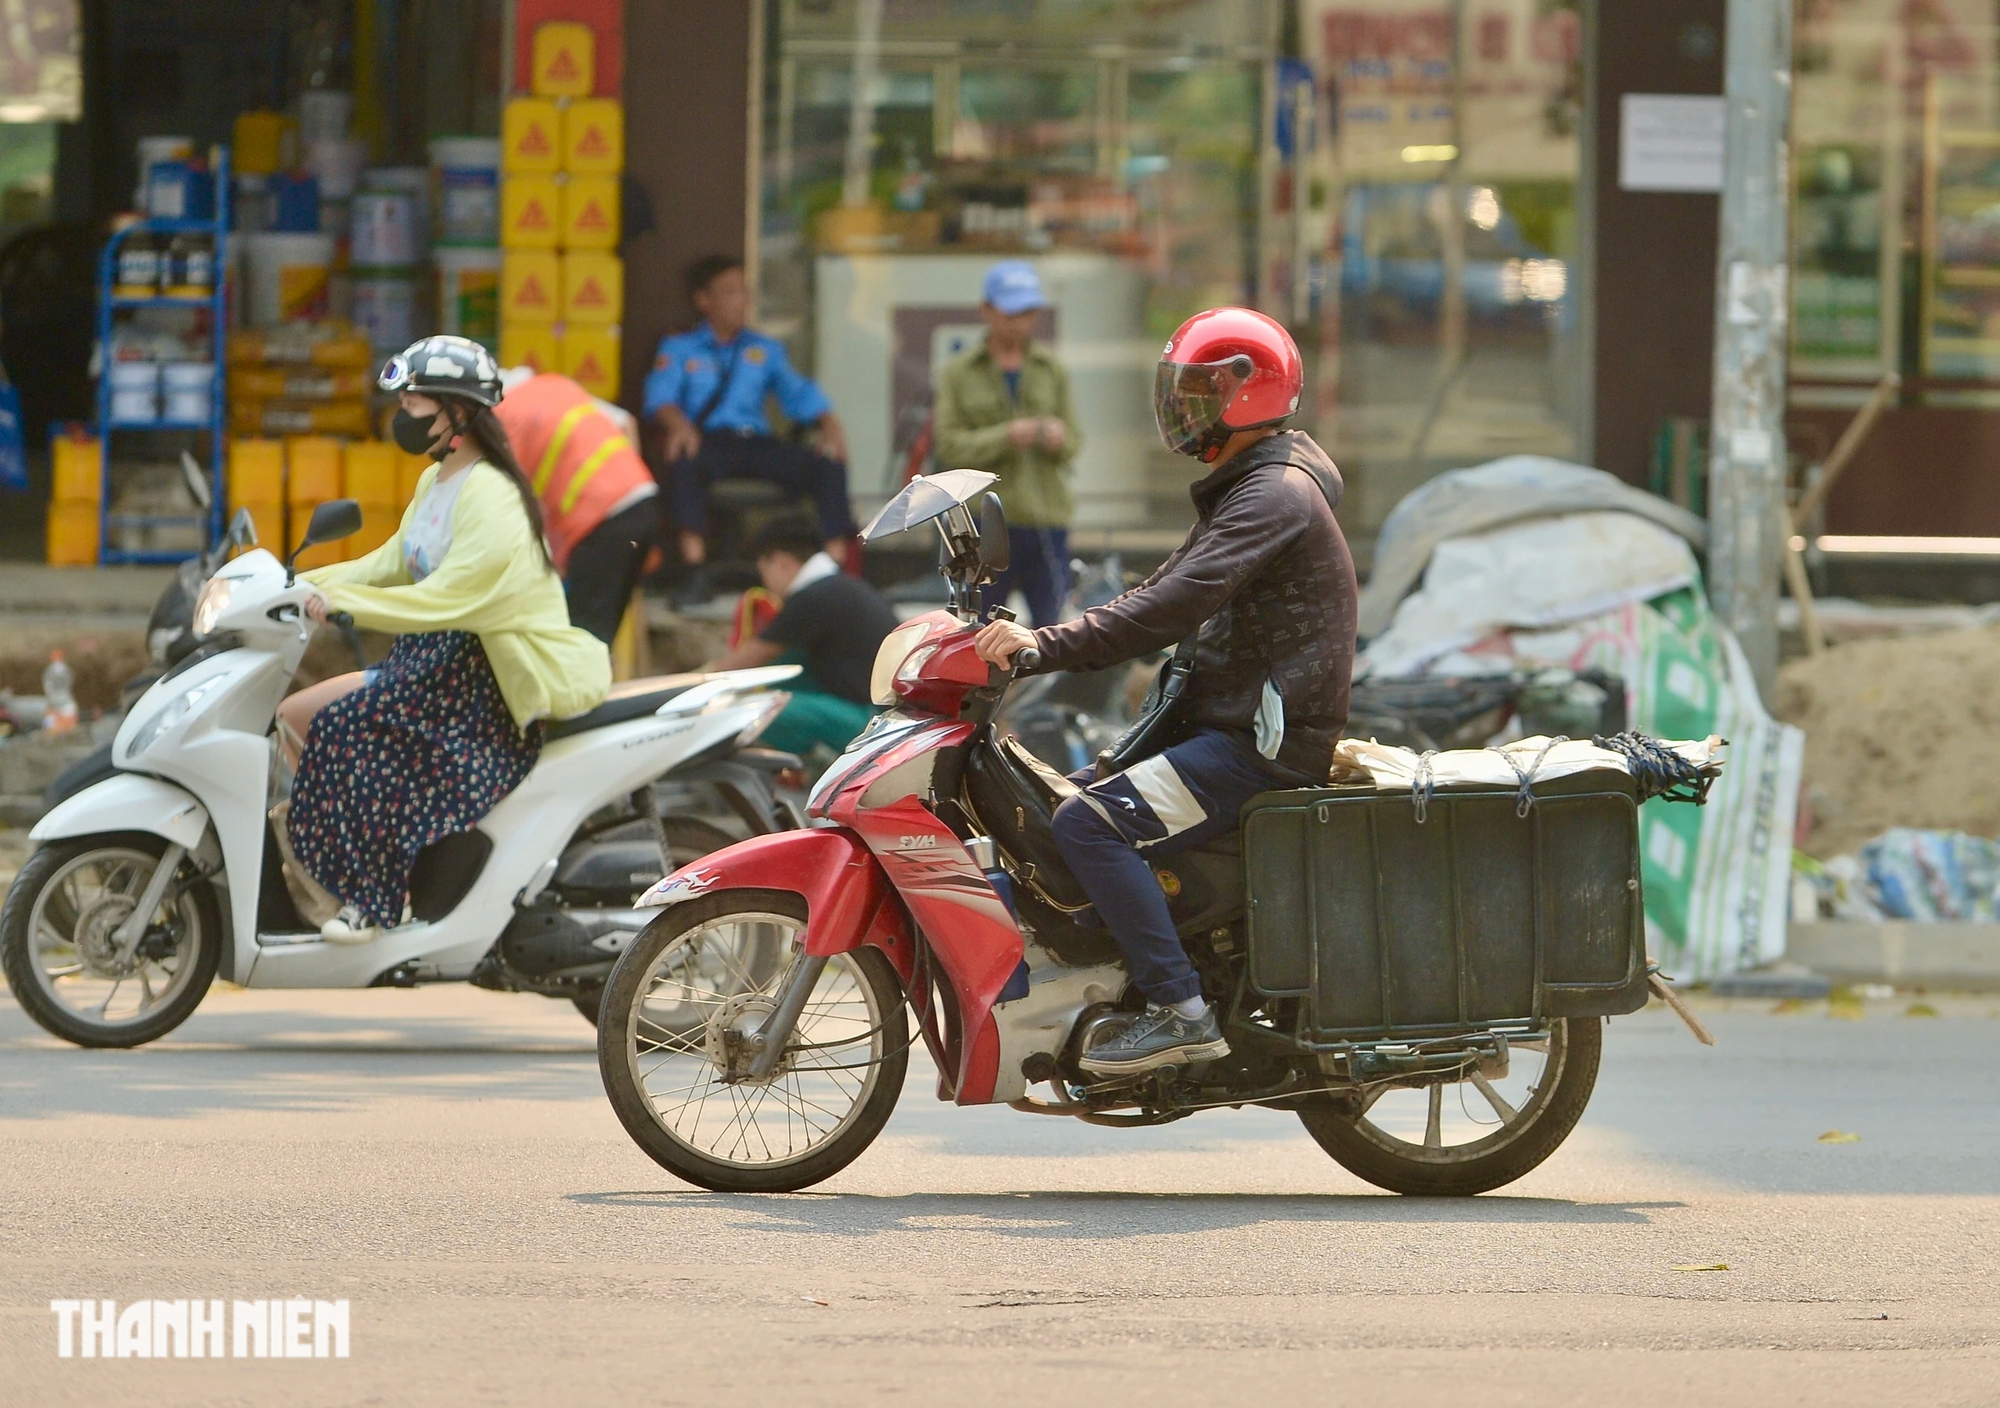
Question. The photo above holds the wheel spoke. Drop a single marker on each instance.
(1434, 1121)
(1493, 1097)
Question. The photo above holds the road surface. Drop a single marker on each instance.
(445, 1161)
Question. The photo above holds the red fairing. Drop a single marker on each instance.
(848, 900)
(950, 672)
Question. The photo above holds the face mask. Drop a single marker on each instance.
(414, 434)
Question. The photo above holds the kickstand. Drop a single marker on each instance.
(1663, 990)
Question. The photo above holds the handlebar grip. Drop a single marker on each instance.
(341, 619)
(1027, 658)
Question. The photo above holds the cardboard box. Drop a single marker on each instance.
(531, 345)
(590, 212)
(565, 59)
(77, 471)
(531, 136)
(531, 212)
(593, 137)
(590, 358)
(312, 470)
(249, 417)
(280, 383)
(593, 287)
(368, 471)
(530, 286)
(72, 535)
(255, 472)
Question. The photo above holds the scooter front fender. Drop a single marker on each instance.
(849, 903)
(128, 801)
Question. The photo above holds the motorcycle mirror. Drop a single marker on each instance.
(995, 548)
(243, 529)
(331, 521)
(197, 482)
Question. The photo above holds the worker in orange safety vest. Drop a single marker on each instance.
(598, 497)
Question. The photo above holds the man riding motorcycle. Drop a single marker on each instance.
(1265, 584)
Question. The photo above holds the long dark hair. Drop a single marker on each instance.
(479, 425)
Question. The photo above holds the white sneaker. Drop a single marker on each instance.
(348, 927)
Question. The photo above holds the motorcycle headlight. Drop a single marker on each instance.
(897, 647)
(209, 606)
(171, 713)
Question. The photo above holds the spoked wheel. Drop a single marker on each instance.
(1471, 1135)
(61, 945)
(673, 1047)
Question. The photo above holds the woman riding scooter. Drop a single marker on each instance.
(394, 758)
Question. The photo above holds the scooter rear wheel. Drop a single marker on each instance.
(58, 942)
(670, 1047)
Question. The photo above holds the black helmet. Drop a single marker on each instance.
(444, 366)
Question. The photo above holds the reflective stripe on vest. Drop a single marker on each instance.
(584, 472)
(565, 427)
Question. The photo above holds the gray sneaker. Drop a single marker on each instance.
(1157, 1037)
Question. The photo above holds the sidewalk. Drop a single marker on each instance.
(1946, 957)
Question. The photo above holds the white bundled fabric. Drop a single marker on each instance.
(1531, 574)
(1537, 759)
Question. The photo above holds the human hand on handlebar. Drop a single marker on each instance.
(316, 611)
(999, 641)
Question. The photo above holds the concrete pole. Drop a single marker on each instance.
(1746, 458)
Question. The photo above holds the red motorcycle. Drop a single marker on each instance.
(1421, 978)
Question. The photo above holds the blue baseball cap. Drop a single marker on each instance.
(1013, 287)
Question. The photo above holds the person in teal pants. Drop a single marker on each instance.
(831, 624)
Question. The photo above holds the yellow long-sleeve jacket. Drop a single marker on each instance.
(493, 582)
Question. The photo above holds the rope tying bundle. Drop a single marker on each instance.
(1420, 786)
(1525, 797)
(1658, 769)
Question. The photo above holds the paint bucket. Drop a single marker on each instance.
(382, 230)
(412, 181)
(287, 276)
(158, 149)
(466, 190)
(324, 114)
(385, 308)
(468, 283)
(188, 391)
(135, 393)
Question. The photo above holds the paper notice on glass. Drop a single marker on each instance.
(1670, 142)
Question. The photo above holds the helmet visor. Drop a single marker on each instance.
(395, 375)
(1189, 399)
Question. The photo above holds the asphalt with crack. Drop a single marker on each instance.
(445, 1160)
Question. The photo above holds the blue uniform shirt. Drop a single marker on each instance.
(684, 374)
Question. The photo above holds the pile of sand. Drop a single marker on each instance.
(1899, 732)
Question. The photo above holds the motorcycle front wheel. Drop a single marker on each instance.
(671, 1047)
(59, 942)
(1470, 1135)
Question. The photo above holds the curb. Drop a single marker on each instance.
(1963, 957)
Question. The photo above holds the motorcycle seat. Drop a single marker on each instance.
(632, 699)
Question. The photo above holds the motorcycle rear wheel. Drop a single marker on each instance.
(1526, 1135)
(690, 981)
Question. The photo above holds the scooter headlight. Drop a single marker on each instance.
(209, 606)
(171, 713)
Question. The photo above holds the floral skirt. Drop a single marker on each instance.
(424, 749)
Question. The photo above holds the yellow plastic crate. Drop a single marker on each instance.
(531, 345)
(256, 471)
(590, 359)
(531, 135)
(409, 469)
(530, 286)
(593, 287)
(368, 471)
(531, 212)
(379, 522)
(312, 469)
(78, 471)
(72, 535)
(564, 59)
(590, 212)
(593, 137)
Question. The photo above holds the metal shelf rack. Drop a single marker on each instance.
(109, 305)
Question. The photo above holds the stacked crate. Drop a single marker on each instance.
(77, 487)
(255, 479)
(368, 475)
(561, 281)
(285, 383)
(313, 466)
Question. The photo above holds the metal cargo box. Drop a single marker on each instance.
(1475, 915)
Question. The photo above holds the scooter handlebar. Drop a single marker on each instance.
(1027, 658)
(341, 619)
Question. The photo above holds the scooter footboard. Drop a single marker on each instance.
(848, 900)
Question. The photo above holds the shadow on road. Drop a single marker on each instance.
(1091, 1215)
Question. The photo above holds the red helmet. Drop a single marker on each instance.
(1225, 370)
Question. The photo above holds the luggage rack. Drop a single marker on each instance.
(110, 304)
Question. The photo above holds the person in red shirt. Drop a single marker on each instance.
(598, 497)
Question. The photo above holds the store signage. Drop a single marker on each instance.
(1670, 142)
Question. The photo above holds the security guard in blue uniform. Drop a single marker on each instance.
(707, 390)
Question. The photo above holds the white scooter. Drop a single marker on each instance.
(148, 884)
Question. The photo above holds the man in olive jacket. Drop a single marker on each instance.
(1005, 407)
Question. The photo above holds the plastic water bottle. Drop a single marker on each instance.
(58, 695)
